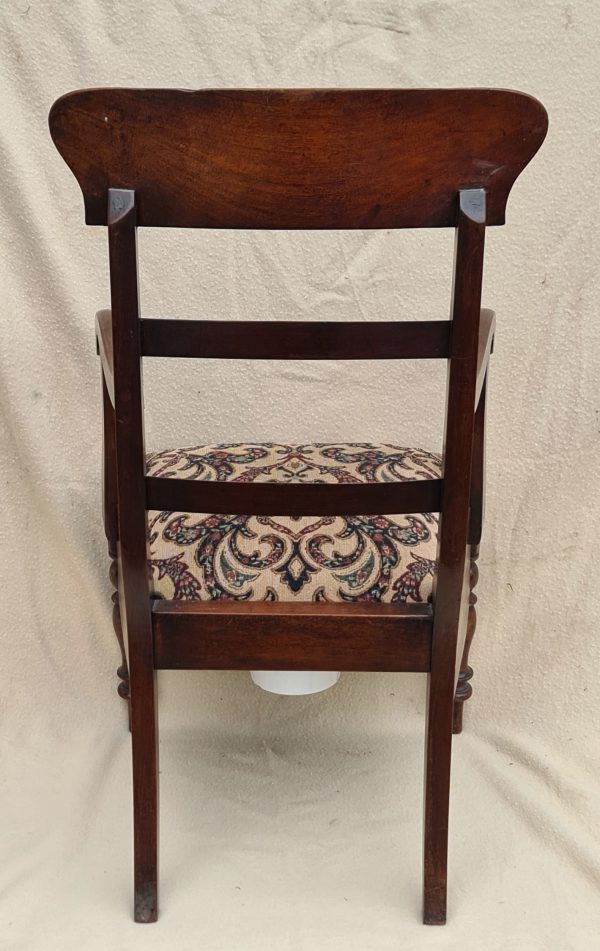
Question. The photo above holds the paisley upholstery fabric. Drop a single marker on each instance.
(258, 558)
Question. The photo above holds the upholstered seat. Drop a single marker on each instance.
(258, 558)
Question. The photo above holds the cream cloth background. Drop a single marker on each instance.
(286, 822)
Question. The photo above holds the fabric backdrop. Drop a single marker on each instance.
(295, 823)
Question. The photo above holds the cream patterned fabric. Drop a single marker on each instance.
(259, 558)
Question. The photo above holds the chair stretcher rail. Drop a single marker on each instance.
(296, 340)
(226, 635)
(293, 499)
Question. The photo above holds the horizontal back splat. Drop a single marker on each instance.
(296, 158)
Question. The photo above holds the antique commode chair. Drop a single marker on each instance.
(298, 567)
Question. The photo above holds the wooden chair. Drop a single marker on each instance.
(296, 159)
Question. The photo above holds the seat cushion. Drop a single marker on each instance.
(260, 558)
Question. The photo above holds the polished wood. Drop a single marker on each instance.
(302, 340)
(296, 340)
(129, 427)
(166, 494)
(248, 636)
(111, 524)
(464, 690)
(450, 594)
(123, 688)
(290, 340)
(297, 158)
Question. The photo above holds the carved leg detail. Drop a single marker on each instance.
(464, 689)
(122, 670)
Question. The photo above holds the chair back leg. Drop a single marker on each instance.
(438, 749)
(144, 741)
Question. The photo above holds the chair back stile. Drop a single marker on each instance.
(133, 553)
(129, 411)
(451, 582)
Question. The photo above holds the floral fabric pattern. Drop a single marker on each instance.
(259, 558)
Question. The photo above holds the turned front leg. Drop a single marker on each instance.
(464, 688)
(110, 513)
(122, 671)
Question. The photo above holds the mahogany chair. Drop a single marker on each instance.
(296, 159)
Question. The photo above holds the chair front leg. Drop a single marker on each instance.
(110, 513)
(464, 688)
(123, 670)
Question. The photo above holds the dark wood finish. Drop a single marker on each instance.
(133, 551)
(123, 688)
(272, 498)
(464, 690)
(296, 340)
(222, 635)
(111, 525)
(297, 158)
(451, 582)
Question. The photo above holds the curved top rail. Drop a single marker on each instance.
(297, 158)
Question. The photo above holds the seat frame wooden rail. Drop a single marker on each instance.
(307, 159)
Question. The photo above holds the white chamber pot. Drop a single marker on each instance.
(295, 682)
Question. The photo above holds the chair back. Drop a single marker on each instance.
(299, 159)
